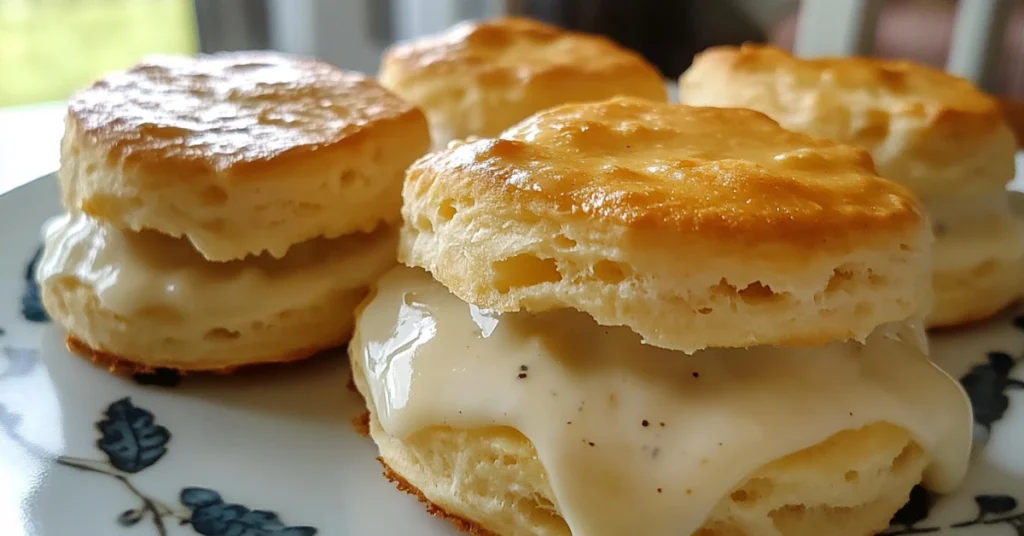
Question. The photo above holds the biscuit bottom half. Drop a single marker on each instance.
(148, 300)
(551, 424)
(978, 257)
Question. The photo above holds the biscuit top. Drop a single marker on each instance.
(729, 176)
(223, 111)
(899, 87)
(925, 128)
(505, 50)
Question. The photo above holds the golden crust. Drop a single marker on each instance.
(230, 112)
(725, 175)
(480, 77)
(634, 193)
(461, 524)
(512, 49)
(240, 153)
(929, 130)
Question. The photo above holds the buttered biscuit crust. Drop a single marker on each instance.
(682, 223)
(240, 152)
(480, 77)
(929, 130)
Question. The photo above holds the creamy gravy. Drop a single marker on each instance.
(132, 272)
(582, 392)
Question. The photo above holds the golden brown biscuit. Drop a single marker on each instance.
(523, 423)
(681, 223)
(153, 301)
(935, 133)
(241, 153)
(976, 259)
(931, 131)
(481, 77)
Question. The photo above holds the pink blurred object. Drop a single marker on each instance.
(922, 31)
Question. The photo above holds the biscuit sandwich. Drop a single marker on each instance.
(480, 77)
(632, 317)
(933, 132)
(224, 210)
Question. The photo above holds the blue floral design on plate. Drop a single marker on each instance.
(31, 301)
(133, 441)
(211, 516)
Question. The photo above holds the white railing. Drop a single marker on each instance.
(845, 27)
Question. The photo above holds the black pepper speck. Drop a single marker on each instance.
(591, 443)
(661, 424)
(523, 368)
(644, 423)
(696, 375)
(659, 490)
(521, 375)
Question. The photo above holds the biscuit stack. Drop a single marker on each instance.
(224, 210)
(481, 77)
(630, 317)
(933, 132)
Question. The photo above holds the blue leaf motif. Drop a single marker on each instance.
(211, 516)
(31, 301)
(995, 504)
(262, 519)
(216, 519)
(131, 439)
(129, 518)
(193, 498)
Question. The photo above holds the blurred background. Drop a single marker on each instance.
(49, 48)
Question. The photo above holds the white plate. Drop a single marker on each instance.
(83, 452)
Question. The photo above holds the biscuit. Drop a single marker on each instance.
(241, 153)
(933, 132)
(535, 423)
(490, 482)
(977, 258)
(695, 227)
(481, 77)
(152, 301)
